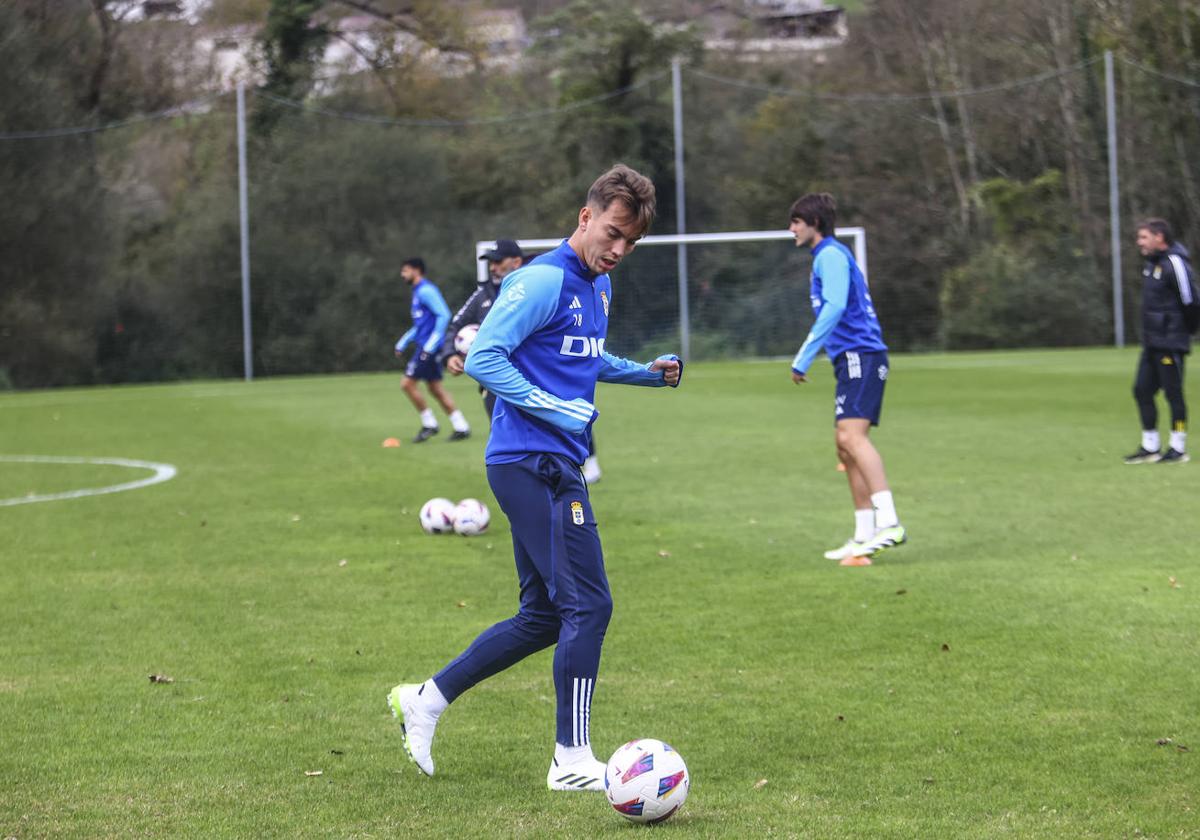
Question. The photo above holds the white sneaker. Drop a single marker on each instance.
(416, 725)
(850, 549)
(591, 470)
(586, 775)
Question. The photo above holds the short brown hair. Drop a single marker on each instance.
(817, 210)
(1160, 227)
(621, 183)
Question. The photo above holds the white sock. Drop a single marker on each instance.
(1150, 441)
(458, 421)
(431, 696)
(864, 525)
(885, 509)
(1179, 441)
(428, 420)
(567, 756)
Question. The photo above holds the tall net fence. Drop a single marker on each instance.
(986, 209)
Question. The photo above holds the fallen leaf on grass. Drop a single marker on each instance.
(161, 678)
(337, 752)
(945, 647)
(760, 784)
(295, 517)
(840, 718)
(1174, 583)
(901, 591)
(314, 772)
(664, 553)
(1162, 742)
(1182, 748)
(343, 562)
(461, 604)
(929, 780)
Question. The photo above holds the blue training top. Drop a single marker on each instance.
(842, 301)
(430, 317)
(541, 352)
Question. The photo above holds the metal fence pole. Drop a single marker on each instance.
(1114, 202)
(685, 336)
(244, 219)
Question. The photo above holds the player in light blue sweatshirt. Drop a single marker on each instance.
(430, 317)
(848, 330)
(541, 352)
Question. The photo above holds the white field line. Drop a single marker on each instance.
(162, 472)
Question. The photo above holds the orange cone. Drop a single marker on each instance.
(855, 561)
(390, 443)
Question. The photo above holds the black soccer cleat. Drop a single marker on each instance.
(425, 434)
(1174, 456)
(461, 435)
(1143, 456)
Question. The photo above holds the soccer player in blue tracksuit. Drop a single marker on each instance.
(847, 328)
(430, 317)
(541, 352)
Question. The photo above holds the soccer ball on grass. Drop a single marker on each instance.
(471, 518)
(437, 516)
(646, 781)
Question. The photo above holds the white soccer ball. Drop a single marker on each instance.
(646, 781)
(465, 338)
(437, 516)
(471, 517)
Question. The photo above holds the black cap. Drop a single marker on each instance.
(504, 248)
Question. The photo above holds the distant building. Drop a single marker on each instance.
(759, 28)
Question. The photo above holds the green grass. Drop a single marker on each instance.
(1037, 558)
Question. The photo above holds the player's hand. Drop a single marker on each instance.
(799, 377)
(455, 365)
(670, 370)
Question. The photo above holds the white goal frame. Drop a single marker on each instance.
(857, 237)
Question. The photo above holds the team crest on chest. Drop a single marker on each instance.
(604, 300)
(577, 512)
(1158, 272)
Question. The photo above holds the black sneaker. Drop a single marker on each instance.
(1143, 456)
(1174, 456)
(425, 434)
(461, 435)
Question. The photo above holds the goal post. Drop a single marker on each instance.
(854, 237)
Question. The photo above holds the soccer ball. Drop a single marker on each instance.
(437, 516)
(465, 338)
(471, 517)
(646, 781)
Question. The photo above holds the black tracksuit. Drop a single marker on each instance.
(478, 305)
(1166, 287)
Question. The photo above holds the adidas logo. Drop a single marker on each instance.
(575, 304)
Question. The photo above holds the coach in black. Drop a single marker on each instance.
(1169, 310)
(502, 261)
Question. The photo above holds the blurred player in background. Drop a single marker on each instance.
(502, 261)
(541, 352)
(847, 328)
(1168, 312)
(430, 316)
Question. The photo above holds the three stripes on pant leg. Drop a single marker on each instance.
(581, 711)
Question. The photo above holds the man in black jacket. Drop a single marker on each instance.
(1168, 299)
(503, 260)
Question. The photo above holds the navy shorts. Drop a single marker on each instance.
(861, 378)
(429, 369)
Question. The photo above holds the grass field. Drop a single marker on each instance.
(1009, 673)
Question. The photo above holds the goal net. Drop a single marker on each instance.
(741, 293)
